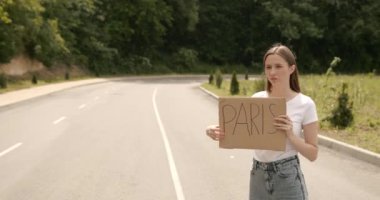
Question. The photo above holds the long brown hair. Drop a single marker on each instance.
(290, 58)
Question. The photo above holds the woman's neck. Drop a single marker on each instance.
(286, 93)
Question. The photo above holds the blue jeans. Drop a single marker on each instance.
(279, 180)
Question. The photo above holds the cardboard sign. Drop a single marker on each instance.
(248, 123)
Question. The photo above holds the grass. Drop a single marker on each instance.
(363, 91)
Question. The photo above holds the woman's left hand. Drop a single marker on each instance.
(283, 122)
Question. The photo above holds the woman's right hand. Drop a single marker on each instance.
(214, 132)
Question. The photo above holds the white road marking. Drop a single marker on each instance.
(59, 120)
(10, 149)
(173, 169)
(81, 106)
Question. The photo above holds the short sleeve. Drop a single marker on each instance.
(260, 94)
(310, 113)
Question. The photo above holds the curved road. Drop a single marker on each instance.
(143, 140)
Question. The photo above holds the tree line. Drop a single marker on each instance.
(158, 36)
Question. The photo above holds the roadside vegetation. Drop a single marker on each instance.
(361, 95)
(110, 37)
(42, 77)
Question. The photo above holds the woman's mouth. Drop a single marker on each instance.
(273, 79)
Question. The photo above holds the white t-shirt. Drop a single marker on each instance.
(302, 111)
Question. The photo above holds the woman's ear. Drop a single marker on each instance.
(292, 69)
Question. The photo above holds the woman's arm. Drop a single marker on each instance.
(309, 147)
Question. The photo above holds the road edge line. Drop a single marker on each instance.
(172, 166)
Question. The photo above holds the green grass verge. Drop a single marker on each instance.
(363, 91)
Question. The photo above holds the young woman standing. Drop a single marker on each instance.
(277, 174)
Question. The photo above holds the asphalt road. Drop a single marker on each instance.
(142, 140)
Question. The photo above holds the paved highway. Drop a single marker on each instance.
(142, 140)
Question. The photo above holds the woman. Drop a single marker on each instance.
(277, 174)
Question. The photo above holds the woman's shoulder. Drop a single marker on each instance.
(260, 94)
(306, 99)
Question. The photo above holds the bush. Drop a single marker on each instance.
(342, 116)
(185, 59)
(3, 81)
(139, 64)
(234, 88)
(67, 76)
(211, 79)
(219, 78)
(34, 79)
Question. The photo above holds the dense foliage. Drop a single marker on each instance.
(153, 36)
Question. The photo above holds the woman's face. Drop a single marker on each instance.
(277, 70)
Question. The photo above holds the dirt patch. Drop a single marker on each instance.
(21, 65)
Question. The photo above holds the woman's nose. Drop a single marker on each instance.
(272, 71)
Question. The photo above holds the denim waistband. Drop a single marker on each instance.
(273, 166)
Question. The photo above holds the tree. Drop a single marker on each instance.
(81, 24)
(26, 31)
(10, 32)
(4, 16)
(358, 20)
(217, 31)
(137, 28)
(183, 23)
(109, 36)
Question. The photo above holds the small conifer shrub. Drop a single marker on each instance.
(3, 81)
(342, 116)
(211, 79)
(234, 87)
(67, 76)
(218, 78)
(34, 79)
